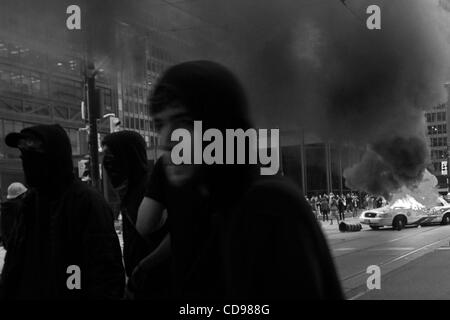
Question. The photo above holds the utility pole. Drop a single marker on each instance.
(94, 114)
(91, 94)
(303, 163)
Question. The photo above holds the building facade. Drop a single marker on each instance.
(316, 166)
(437, 138)
(42, 74)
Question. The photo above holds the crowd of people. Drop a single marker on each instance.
(207, 232)
(330, 206)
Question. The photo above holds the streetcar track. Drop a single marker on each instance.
(383, 242)
(392, 260)
(384, 263)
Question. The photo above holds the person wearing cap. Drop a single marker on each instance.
(10, 209)
(64, 245)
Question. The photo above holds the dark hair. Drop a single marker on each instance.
(210, 92)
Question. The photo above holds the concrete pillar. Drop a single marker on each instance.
(447, 117)
(328, 167)
(340, 170)
(303, 164)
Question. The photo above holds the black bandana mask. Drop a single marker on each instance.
(36, 168)
(46, 156)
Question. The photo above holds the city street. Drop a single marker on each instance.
(2, 258)
(414, 262)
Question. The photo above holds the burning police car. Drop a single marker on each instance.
(404, 211)
(441, 212)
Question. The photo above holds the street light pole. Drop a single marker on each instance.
(93, 108)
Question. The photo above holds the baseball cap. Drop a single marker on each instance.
(23, 140)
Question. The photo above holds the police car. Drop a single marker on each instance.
(441, 212)
(403, 212)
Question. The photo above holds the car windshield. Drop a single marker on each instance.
(441, 202)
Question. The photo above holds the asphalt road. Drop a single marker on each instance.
(2, 258)
(414, 262)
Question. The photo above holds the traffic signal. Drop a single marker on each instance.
(84, 170)
(114, 124)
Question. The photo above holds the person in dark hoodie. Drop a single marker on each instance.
(10, 209)
(125, 161)
(64, 245)
(233, 233)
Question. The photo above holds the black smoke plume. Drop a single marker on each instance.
(307, 64)
(389, 165)
(315, 65)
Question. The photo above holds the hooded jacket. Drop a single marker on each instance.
(64, 235)
(259, 237)
(9, 212)
(129, 150)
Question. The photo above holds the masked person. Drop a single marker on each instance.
(10, 210)
(233, 233)
(64, 245)
(125, 161)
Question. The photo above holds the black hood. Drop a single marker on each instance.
(129, 148)
(213, 94)
(210, 91)
(58, 153)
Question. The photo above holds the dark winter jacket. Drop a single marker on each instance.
(254, 238)
(129, 148)
(9, 212)
(63, 225)
(278, 250)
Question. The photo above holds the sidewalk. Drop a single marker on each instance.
(2, 257)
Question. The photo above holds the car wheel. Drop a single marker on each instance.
(399, 223)
(446, 219)
(374, 227)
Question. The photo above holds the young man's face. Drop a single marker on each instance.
(172, 117)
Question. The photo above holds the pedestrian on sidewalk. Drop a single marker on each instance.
(355, 206)
(10, 209)
(341, 207)
(318, 206)
(324, 207)
(65, 228)
(314, 205)
(348, 203)
(334, 210)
